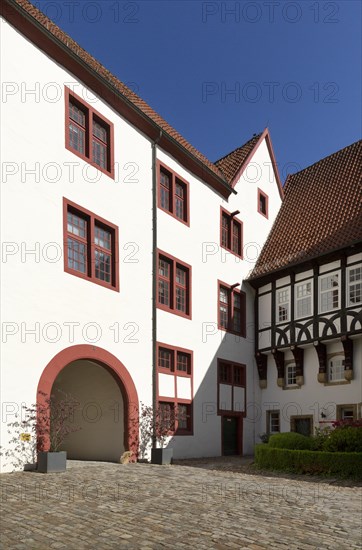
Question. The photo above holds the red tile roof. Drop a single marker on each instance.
(321, 212)
(232, 162)
(30, 10)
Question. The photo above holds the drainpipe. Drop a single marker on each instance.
(154, 283)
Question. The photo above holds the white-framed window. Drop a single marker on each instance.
(283, 305)
(273, 422)
(336, 368)
(354, 285)
(291, 375)
(329, 292)
(303, 299)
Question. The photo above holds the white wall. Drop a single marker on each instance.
(199, 246)
(312, 397)
(37, 291)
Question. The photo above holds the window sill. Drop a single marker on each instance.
(91, 279)
(109, 173)
(240, 256)
(174, 311)
(241, 335)
(184, 222)
(337, 383)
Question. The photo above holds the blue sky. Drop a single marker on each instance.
(221, 71)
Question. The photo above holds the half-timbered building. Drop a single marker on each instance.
(308, 304)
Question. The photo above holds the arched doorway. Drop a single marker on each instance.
(108, 402)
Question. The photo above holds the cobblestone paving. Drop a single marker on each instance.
(142, 506)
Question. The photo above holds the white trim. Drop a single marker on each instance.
(320, 292)
(348, 284)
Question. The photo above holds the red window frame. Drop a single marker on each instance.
(227, 232)
(236, 378)
(89, 241)
(262, 195)
(172, 370)
(175, 287)
(231, 308)
(91, 115)
(174, 198)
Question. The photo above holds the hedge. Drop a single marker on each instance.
(291, 440)
(309, 462)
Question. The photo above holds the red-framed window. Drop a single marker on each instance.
(263, 203)
(231, 309)
(233, 376)
(173, 194)
(174, 285)
(177, 364)
(231, 232)
(174, 360)
(90, 246)
(88, 134)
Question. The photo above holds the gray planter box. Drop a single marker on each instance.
(50, 463)
(161, 456)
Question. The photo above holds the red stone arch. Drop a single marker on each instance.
(115, 368)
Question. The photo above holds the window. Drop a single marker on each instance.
(175, 386)
(88, 134)
(183, 418)
(354, 285)
(347, 412)
(283, 305)
(174, 285)
(170, 357)
(175, 417)
(91, 246)
(329, 295)
(273, 422)
(303, 299)
(336, 368)
(166, 412)
(291, 375)
(263, 203)
(173, 194)
(232, 310)
(231, 233)
(231, 386)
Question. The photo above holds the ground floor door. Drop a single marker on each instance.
(231, 443)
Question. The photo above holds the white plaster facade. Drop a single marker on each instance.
(46, 310)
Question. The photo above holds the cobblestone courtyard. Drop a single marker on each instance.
(141, 506)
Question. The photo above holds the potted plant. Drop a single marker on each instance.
(54, 421)
(38, 434)
(157, 428)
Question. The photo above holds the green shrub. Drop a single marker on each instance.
(346, 439)
(309, 462)
(290, 440)
(320, 437)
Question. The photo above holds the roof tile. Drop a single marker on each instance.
(321, 212)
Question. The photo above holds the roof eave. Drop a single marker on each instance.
(11, 10)
(252, 279)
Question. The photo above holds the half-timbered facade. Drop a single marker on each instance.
(308, 308)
